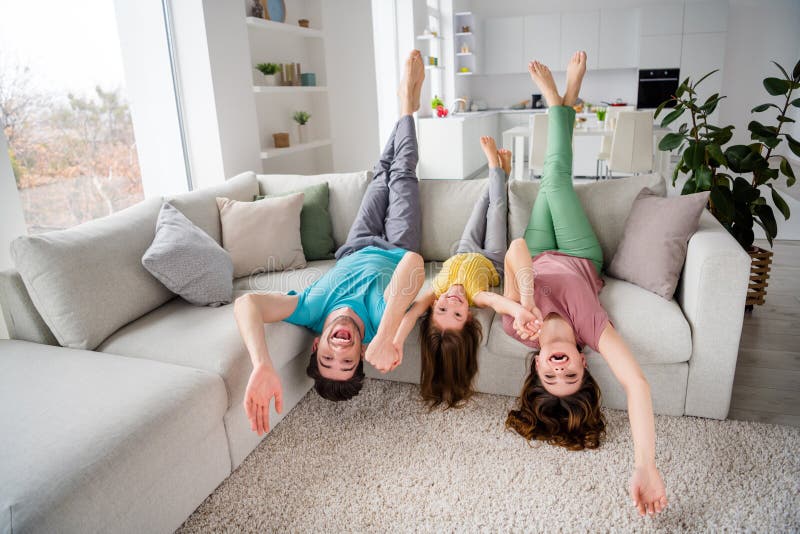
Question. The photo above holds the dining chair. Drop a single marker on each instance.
(537, 144)
(632, 143)
(612, 114)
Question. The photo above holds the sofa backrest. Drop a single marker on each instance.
(446, 207)
(607, 204)
(22, 319)
(345, 193)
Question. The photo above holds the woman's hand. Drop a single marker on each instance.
(527, 323)
(647, 490)
(263, 385)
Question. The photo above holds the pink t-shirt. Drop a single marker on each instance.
(567, 285)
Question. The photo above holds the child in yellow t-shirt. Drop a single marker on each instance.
(449, 332)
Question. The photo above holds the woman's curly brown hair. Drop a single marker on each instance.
(449, 362)
(574, 421)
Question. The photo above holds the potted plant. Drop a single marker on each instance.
(736, 175)
(270, 72)
(301, 118)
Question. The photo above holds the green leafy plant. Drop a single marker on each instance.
(436, 102)
(268, 69)
(301, 117)
(734, 174)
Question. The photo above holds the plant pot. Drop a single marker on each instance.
(270, 80)
(302, 133)
(760, 266)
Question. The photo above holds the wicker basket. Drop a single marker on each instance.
(761, 261)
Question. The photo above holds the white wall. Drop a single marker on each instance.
(349, 58)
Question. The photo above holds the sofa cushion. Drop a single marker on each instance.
(655, 329)
(262, 236)
(446, 207)
(88, 281)
(200, 206)
(346, 191)
(607, 204)
(204, 338)
(188, 262)
(93, 443)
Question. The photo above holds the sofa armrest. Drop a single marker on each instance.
(712, 294)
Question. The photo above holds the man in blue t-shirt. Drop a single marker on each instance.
(361, 300)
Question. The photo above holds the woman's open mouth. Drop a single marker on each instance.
(559, 359)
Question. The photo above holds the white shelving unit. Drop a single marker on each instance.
(282, 43)
(464, 43)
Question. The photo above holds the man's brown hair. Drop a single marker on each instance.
(335, 390)
(449, 362)
(573, 421)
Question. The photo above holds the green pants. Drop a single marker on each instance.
(558, 221)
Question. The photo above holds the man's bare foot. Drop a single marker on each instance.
(541, 75)
(576, 68)
(411, 84)
(505, 160)
(490, 150)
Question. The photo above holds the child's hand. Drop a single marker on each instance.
(527, 324)
(647, 490)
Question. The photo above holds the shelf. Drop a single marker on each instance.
(289, 89)
(276, 152)
(461, 34)
(263, 24)
(464, 73)
(464, 14)
(464, 53)
(430, 67)
(429, 37)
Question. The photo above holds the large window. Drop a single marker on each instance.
(64, 110)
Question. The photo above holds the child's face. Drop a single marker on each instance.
(451, 310)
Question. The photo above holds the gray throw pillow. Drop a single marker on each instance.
(654, 242)
(188, 261)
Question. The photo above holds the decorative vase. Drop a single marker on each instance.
(302, 133)
(760, 266)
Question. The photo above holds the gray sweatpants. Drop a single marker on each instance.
(486, 229)
(390, 216)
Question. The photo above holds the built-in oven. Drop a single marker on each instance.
(656, 86)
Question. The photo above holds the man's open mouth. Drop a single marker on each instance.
(342, 334)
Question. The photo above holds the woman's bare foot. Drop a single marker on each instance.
(541, 75)
(490, 150)
(411, 85)
(505, 160)
(576, 68)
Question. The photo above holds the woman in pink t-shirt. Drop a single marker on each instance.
(554, 272)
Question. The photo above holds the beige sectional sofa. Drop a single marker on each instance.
(132, 424)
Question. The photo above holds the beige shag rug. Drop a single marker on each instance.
(382, 463)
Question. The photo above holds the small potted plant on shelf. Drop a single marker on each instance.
(270, 73)
(736, 175)
(301, 118)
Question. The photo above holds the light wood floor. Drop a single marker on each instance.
(767, 383)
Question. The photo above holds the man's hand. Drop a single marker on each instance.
(262, 386)
(382, 354)
(398, 354)
(528, 323)
(647, 490)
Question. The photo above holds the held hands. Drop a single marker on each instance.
(262, 386)
(647, 490)
(528, 323)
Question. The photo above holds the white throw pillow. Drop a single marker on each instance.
(264, 235)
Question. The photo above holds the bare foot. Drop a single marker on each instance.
(505, 160)
(576, 68)
(411, 84)
(541, 75)
(490, 150)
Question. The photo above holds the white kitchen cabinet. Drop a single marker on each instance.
(580, 31)
(661, 19)
(706, 17)
(619, 39)
(660, 51)
(542, 38)
(503, 45)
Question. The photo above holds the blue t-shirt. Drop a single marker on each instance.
(357, 282)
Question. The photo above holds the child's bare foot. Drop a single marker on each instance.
(505, 160)
(411, 84)
(541, 75)
(576, 68)
(490, 150)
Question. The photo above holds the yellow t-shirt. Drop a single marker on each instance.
(471, 269)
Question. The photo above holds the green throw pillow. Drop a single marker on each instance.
(316, 229)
